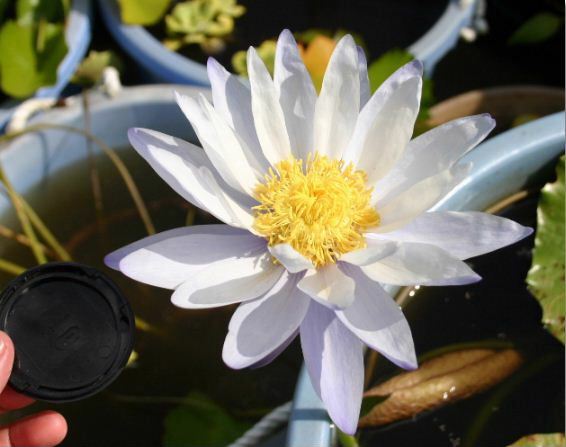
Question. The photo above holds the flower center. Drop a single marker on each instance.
(320, 209)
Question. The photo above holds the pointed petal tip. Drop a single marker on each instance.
(286, 34)
(112, 260)
(417, 66)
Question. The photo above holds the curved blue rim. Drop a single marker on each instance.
(167, 66)
(501, 166)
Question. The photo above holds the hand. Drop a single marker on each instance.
(45, 429)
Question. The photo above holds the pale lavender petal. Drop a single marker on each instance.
(186, 168)
(271, 357)
(334, 360)
(377, 320)
(434, 151)
(401, 209)
(461, 234)
(290, 258)
(329, 286)
(338, 105)
(229, 281)
(232, 99)
(365, 91)
(297, 95)
(260, 327)
(375, 250)
(385, 124)
(170, 258)
(424, 264)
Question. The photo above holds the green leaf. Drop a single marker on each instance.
(29, 12)
(199, 422)
(385, 66)
(91, 68)
(143, 12)
(541, 440)
(22, 69)
(546, 276)
(537, 29)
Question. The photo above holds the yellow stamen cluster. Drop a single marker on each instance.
(320, 209)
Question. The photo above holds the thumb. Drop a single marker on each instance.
(6, 359)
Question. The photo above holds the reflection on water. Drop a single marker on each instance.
(498, 307)
(182, 354)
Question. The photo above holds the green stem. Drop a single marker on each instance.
(347, 440)
(23, 218)
(11, 268)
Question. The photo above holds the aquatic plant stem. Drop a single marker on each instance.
(23, 218)
(11, 268)
(22, 239)
(116, 160)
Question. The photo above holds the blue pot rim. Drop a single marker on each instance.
(168, 66)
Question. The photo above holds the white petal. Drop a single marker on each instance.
(338, 105)
(230, 281)
(219, 142)
(423, 264)
(268, 115)
(170, 258)
(376, 319)
(189, 172)
(461, 234)
(291, 259)
(334, 361)
(329, 286)
(403, 208)
(297, 95)
(434, 151)
(385, 124)
(233, 100)
(229, 157)
(365, 90)
(374, 251)
(274, 354)
(259, 327)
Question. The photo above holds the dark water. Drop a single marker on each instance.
(498, 307)
(185, 354)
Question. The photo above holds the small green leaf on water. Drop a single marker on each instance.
(199, 422)
(546, 276)
(541, 440)
(537, 29)
(143, 12)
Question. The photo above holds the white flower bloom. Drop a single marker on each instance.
(324, 199)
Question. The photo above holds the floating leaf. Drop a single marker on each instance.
(91, 68)
(440, 381)
(23, 69)
(537, 29)
(199, 422)
(541, 440)
(143, 12)
(546, 276)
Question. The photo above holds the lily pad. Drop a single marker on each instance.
(541, 440)
(546, 276)
(537, 29)
(200, 422)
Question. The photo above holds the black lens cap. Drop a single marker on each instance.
(73, 331)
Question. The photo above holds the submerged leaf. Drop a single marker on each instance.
(541, 440)
(537, 29)
(142, 12)
(199, 422)
(546, 276)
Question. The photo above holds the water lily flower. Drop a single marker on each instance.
(324, 199)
